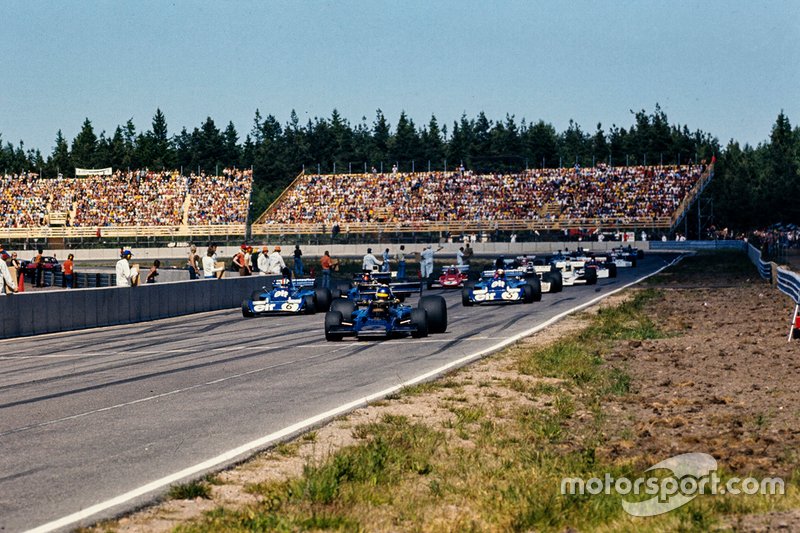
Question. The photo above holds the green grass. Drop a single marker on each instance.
(495, 465)
(191, 490)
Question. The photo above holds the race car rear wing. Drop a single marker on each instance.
(298, 283)
(516, 273)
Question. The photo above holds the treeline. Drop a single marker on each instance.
(753, 186)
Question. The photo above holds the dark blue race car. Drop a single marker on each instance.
(496, 286)
(384, 316)
(364, 286)
(287, 296)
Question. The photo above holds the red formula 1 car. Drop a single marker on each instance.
(452, 277)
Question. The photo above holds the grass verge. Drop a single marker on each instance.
(497, 462)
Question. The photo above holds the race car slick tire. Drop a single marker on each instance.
(591, 276)
(436, 309)
(345, 307)
(419, 319)
(246, 312)
(612, 270)
(256, 295)
(332, 319)
(309, 305)
(536, 285)
(557, 281)
(527, 294)
(465, 301)
(322, 299)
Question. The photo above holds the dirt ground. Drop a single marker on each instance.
(722, 381)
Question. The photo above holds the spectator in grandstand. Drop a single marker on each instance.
(386, 261)
(276, 264)
(68, 270)
(298, 261)
(210, 268)
(327, 264)
(153, 274)
(262, 262)
(125, 275)
(8, 284)
(193, 262)
(370, 263)
(400, 257)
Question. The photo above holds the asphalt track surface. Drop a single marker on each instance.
(97, 422)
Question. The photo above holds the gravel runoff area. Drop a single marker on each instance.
(721, 380)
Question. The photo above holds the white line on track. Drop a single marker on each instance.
(272, 438)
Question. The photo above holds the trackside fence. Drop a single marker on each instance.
(698, 245)
(787, 281)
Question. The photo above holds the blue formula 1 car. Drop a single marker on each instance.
(384, 316)
(499, 286)
(364, 286)
(287, 296)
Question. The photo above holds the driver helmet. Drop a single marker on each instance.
(383, 293)
(499, 273)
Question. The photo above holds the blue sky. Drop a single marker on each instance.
(725, 67)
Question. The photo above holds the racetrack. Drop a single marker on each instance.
(88, 416)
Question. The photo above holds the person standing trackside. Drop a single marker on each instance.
(38, 260)
(386, 258)
(369, 262)
(327, 264)
(263, 261)
(467, 254)
(192, 262)
(7, 281)
(426, 264)
(123, 269)
(276, 263)
(400, 257)
(210, 267)
(68, 269)
(460, 256)
(298, 261)
(153, 274)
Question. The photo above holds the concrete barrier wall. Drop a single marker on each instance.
(145, 256)
(34, 313)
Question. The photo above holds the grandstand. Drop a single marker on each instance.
(544, 199)
(139, 203)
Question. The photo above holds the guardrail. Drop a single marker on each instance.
(463, 226)
(70, 232)
(764, 268)
(698, 245)
(788, 283)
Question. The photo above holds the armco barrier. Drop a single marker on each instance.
(789, 284)
(764, 269)
(697, 245)
(34, 313)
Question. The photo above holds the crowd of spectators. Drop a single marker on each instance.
(607, 193)
(133, 198)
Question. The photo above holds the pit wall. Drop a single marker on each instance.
(34, 313)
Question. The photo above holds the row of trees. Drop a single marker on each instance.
(756, 187)
(753, 186)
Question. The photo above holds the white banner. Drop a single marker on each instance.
(93, 171)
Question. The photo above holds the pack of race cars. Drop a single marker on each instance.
(372, 305)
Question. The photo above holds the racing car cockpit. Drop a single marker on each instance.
(379, 306)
